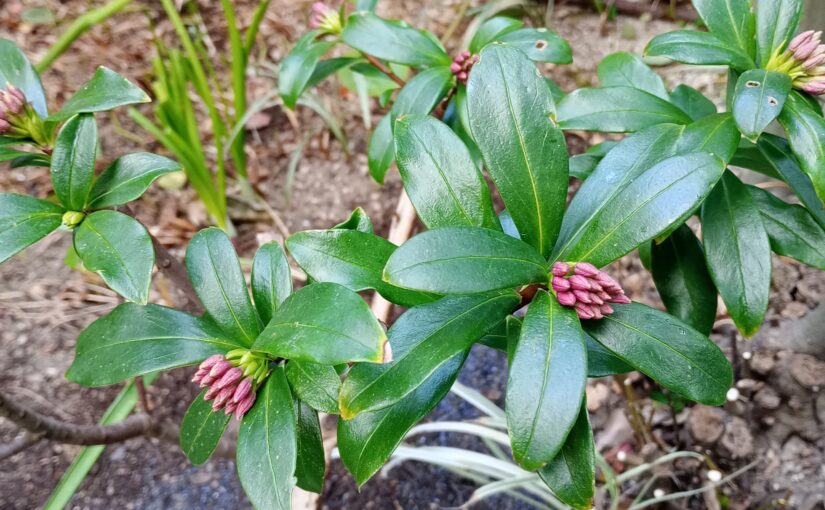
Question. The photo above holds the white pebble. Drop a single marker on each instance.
(658, 493)
(621, 456)
(714, 475)
(732, 395)
(747, 355)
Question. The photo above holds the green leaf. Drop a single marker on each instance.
(778, 154)
(367, 441)
(729, 20)
(616, 110)
(571, 473)
(524, 151)
(776, 24)
(40, 160)
(464, 260)
(73, 161)
(760, 96)
(135, 340)
(201, 430)
(791, 229)
(806, 135)
(119, 249)
(271, 279)
(660, 197)
(310, 462)
(749, 156)
(267, 446)
(683, 280)
(358, 220)
(16, 69)
(11, 154)
(545, 388)
(330, 66)
(24, 220)
(392, 42)
(602, 362)
(317, 385)
(737, 252)
(219, 282)
(419, 96)
(491, 30)
(350, 258)
(670, 352)
(715, 134)
(297, 67)
(692, 102)
(539, 44)
(128, 178)
(625, 69)
(324, 323)
(106, 90)
(423, 340)
(700, 48)
(439, 175)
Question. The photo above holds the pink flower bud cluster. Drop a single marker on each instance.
(12, 106)
(461, 66)
(587, 289)
(228, 388)
(325, 18)
(803, 61)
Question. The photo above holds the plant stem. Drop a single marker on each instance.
(384, 69)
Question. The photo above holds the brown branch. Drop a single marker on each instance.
(22, 442)
(384, 69)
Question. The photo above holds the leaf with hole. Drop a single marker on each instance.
(760, 96)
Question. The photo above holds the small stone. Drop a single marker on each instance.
(767, 398)
(706, 424)
(762, 362)
(737, 439)
(807, 370)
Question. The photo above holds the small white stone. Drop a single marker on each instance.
(732, 395)
(747, 355)
(621, 456)
(658, 493)
(714, 475)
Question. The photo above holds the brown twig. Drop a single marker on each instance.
(143, 400)
(384, 69)
(22, 442)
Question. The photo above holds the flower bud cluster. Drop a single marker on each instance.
(232, 380)
(12, 112)
(803, 61)
(583, 286)
(461, 66)
(325, 18)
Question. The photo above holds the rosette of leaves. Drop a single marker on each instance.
(109, 242)
(401, 49)
(304, 336)
(741, 224)
(469, 272)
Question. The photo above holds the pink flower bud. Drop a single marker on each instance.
(219, 368)
(604, 296)
(582, 295)
(231, 376)
(607, 282)
(210, 361)
(455, 67)
(585, 269)
(597, 312)
(560, 284)
(464, 55)
(813, 61)
(800, 39)
(211, 393)
(199, 375)
(16, 92)
(805, 50)
(229, 408)
(242, 390)
(606, 309)
(560, 269)
(814, 87)
(621, 299)
(584, 311)
(566, 298)
(595, 299)
(244, 406)
(223, 397)
(579, 282)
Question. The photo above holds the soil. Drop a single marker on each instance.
(777, 419)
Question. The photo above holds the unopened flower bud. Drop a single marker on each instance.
(230, 408)
(242, 391)
(813, 61)
(325, 18)
(244, 405)
(584, 311)
(566, 298)
(5, 127)
(582, 295)
(814, 87)
(560, 269)
(231, 376)
(211, 393)
(579, 282)
(621, 299)
(210, 362)
(606, 309)
(224, 396)
(455, 67)
(560, 284)
(805, 50)
(73, 218)
(585, 269)
(219, 368)
(800, 39)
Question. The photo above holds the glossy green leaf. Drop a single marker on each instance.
(423, 340)
(778, 154)
(439, 175)
(623, 69)
(616, 110)
(540, 44)
(760, 96)
(525, 153)
(602, 362)
(367, 441)
(128, 178)
(324, 323)
(24, 220)
(571, 473)
(737, 252)
(350, 258)
(392, 42)
(267, 446)
(546, 384)
(219, 282)
(700, 48)
(135, 340)
(374, 82)
(660, 197)
(317, 385)
(791, 229)
(73, 161)
(358, 220)
(582, 165)
(201, 430)
(730, 20)
(106, 90)
(119, 249)
(419, 96)
(310, 463)
(692, 102)
(40, 160)
(271, 279)
(715, 134)
(670, 352)
(298, 66)
(776, 24)
(16, 69)
(806, 136)
(683, 281)
(749, 156)
(7, 154)
(464, 260)
(491, 30)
